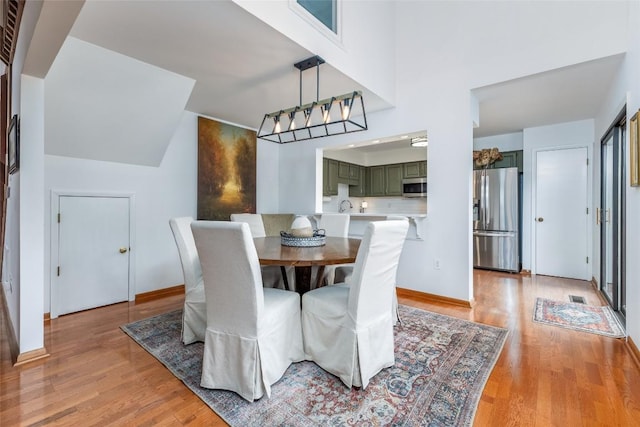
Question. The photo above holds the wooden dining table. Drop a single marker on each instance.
(337, 250)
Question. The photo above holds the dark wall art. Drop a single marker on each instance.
(226, 170)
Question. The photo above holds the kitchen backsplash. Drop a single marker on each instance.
(382, 205)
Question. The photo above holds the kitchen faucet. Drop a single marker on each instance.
(342, 207)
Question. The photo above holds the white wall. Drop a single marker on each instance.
(633, 194)
(31, 215)
(22, 287)
(505, 142)
(433, 65)
(438, 63)
(367, 27)
(564, 135)
(161, 193)
(267, 176)
(402, 154)
(625, 90)
(86, 115)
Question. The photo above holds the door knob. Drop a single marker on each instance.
(123, 250)
(539, 219)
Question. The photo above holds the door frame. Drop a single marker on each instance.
(56, 194)
(620, 238)
(534, 190)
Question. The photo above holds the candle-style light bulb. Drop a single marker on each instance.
(292, 123)
(345, 109)
(325, 113)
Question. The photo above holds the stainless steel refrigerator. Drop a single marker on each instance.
(495, 219)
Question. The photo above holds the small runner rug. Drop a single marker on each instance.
(442, 365)
(580, 317)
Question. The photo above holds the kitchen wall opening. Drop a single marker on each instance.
(376, 178)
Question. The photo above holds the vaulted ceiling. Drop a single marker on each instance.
(242, 68)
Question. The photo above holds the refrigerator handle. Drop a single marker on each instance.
(487, 205)
(481, 199)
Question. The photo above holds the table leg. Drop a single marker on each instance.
(303, 279)
(285, 279)
(319, 276)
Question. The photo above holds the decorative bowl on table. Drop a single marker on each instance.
(317, 239)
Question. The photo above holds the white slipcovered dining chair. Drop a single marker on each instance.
(348, 330)
(254, 220)
(343, 272)
(334, 225)
(253, 333)
(194, 314)
(272, 275)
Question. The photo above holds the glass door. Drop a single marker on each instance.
(611, 218)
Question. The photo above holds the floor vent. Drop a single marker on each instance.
(575, 298)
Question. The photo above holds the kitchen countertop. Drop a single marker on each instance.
(364, 215)
(378, 215)
(416, 221)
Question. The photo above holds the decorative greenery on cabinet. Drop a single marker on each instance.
(509, 159)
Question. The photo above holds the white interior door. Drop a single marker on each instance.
(561, 213)
(93, 253)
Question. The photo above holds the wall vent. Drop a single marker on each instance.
(577, 299)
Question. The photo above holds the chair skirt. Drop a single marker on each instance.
(194, 316)
(353, 352)
(250, 365)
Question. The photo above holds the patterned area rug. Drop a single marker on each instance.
(579, 317)
(442, 365)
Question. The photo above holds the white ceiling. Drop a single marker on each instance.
(557, 96)
(214, 43)
(239, 79)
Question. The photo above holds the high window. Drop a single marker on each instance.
(324, 11)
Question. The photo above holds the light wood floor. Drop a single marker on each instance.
(545, 376)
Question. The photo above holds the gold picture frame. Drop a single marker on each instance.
(634, 152)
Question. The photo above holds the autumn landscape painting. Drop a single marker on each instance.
(226, 170)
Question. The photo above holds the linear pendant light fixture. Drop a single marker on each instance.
(332, 116)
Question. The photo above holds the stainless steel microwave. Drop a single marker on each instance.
(414, 187)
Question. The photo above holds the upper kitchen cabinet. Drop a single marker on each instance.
(343, 172)
(510, 159)
(393, 175)
(354, 174)
(359, 189)
(330, 177)
(377, 180)
(385, 180)
(415, 170)
(388, 164)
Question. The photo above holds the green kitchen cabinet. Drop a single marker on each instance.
(343, 172)
(354, 174)
(359, 189)
(415, 169)
(329, 177)
(377, 181)
(510, 159)
(393, 178)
